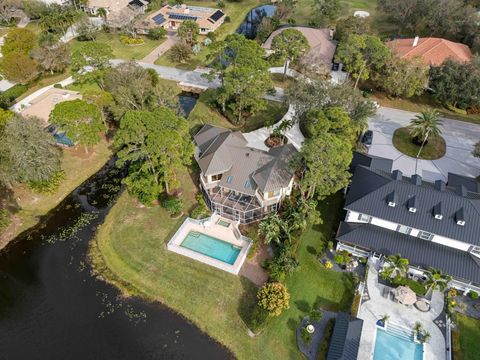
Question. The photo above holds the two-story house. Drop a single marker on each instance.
(240, 182)
(431, 224)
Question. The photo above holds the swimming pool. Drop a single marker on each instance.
(396, 343)
(211, 247)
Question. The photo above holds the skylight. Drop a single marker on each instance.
(229, 179)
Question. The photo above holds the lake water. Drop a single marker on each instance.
(52, 308)
(253, 19)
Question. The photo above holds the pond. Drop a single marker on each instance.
(254, 18)
(51, 307)
(187, 102)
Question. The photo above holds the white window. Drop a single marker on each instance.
(404, 229)
(364, 218)
(425, 235)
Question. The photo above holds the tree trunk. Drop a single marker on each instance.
(86, 149)
(358, 78)
(285, 68)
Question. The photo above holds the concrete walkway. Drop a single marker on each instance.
(377, 306)
(172, 39)
(460, 138)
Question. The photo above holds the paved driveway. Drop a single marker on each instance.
(460, 138)
(172, 39)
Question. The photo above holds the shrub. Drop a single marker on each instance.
(339, 259)
(228, 19)
(49, 186)
(330, 245)
(456, 110)
(315, 314)
(476, 150)
(306, 336)
(456, 340)
(474, 295)
(156, 33)
(180, 52)
(259, 319)
(328, 264)
(200, 210)
(127, 40)
(418, 288)
(58, 86)
(355, 304)
(8, 97)
(280, 266)
(172, 204)
(273, 297)
(452, 293)
(4, 219)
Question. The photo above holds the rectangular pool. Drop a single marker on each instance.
(396, 344)
(211, 247)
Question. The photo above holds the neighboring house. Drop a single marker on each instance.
(430, 224)
(239, 182)
(432, 51)
(170, 17)
(118, 12)
(42, 106)
(322, 46)
(345, 339)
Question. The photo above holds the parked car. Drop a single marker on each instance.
(367, 138)
(335, 66)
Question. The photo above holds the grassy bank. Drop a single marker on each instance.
(468, 346)
(78, 167)
(130, 252)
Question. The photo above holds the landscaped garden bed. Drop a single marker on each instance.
(434, 149)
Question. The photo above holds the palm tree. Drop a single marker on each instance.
(437, 279)
(425, 124)
(272, 228)
(396, 265)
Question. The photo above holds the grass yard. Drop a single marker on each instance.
(78, 167)
(468, 346)
(122, 51)
(434, 149)
(42, 82)
(130, 252)
(237, 11)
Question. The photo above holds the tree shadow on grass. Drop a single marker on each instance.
(302, 305)
(311, 250)
(247, 302)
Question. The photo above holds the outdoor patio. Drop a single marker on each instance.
(380, 302)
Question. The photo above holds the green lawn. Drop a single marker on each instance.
(122, 51)
(237, 11)
(434, 149)
(468, 347)
(130, 252)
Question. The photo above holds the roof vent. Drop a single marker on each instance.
(392, 199)
(247, 154)
(440, 185)
(412, 204)
(397, 175)
(437, 211)
(459, 217)
(461, 191)
(416, 180)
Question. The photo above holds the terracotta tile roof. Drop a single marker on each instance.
(432, 51)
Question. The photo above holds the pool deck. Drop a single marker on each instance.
(210, 227)
(373, 309)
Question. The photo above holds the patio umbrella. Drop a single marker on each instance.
(405, 295)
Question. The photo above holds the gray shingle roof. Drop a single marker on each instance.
(243, 168)
(471, 184)
(345, 339)
(421, 253)
(371, 188)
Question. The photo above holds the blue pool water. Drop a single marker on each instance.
(396, 344)
(211, 247)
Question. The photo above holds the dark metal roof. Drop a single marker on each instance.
(371, 188)
(471, 184)
(345, 339)
(422, 253)
(370, 161)
(216, 16)
(136, 3)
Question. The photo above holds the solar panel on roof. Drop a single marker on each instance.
(181, 17)
(216, 15)
(158, 19)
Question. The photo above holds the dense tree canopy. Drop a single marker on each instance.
(290, 45)
(362, 55)
(188, 31)
(180, 52)
(19, 40)
(90, 60)
(19, 67)
(158, 145)
(54, 59)
(273, 297)
(351, 25)
(325, 11)
(81, 121)
(333, 120)
(58, 18)
(457, 84)
(27, 151)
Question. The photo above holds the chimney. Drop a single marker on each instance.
(415, 41)
(437, 211)
(416, 180)
(440, 185)
(412, 204)
(397, 175)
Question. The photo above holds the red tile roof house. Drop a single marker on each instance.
(432, 51)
